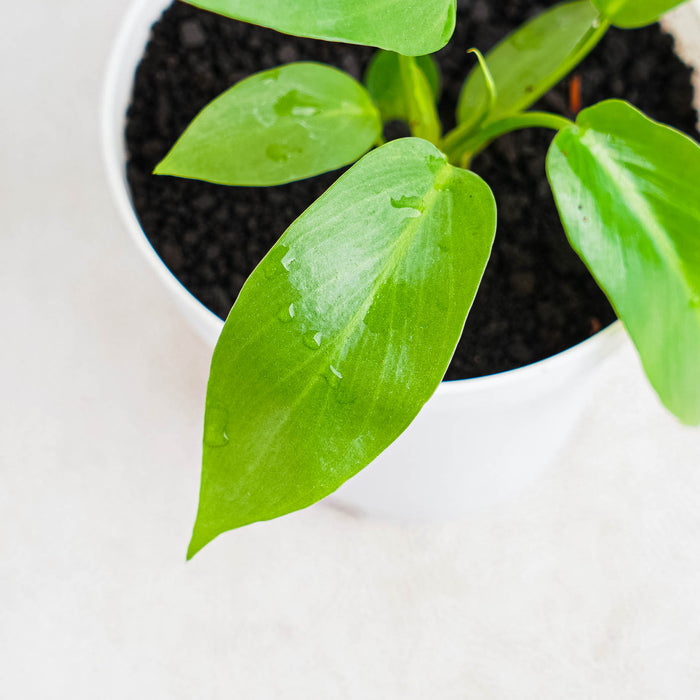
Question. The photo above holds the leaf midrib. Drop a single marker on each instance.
(392, 263)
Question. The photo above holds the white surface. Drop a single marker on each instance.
(125, 56)
(584, 588)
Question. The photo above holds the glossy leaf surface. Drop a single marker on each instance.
(634, 13)
(384, 83)
(281, 125)
(627, 191)
(341, 334)
(410, 27)
(528, 62)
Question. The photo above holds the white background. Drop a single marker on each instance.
(585, 587)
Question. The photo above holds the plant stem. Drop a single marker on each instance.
(460, 148)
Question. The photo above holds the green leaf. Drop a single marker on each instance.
(530, 61)
(341, 334)
(383, 80)
(634, 13)
(277, 126)
(627, 192)
(411, 27)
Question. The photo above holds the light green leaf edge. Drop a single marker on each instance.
(341, 334)
(629, 14)
(277, 126)
(627, 190)
(410, 27)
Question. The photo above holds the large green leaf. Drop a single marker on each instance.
(410, 27)
(285, 124)
(383, 80)
(634, 13)
(341, 334)
(627, 189)
(530, 61)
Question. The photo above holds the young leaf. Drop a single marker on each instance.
(634, 13)
(422, 115)
(341, 334)
(285, 124)
(411, 27)
(383, 80)
(627, 192)
(529, 61)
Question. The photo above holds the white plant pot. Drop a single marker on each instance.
(476, 443)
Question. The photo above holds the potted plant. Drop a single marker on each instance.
(345, 329)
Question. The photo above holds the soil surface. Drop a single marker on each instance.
(536, 298)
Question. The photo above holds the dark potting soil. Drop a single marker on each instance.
(536, 298)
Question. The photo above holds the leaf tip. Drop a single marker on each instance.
(161, 168)
(192, 549)
(200, 539)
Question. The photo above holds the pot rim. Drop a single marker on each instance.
(112, 122)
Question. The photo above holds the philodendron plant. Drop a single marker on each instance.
(347, 326)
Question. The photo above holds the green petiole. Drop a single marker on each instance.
(460, 146)
(490, 84)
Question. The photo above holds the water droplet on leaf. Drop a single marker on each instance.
(215, 424)
(281, 153)
(413, 205)
(333, 377)
(343, 395)
(436, 164)
(312, 339)
(297, 104)
(304, 111)
(286, 313)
